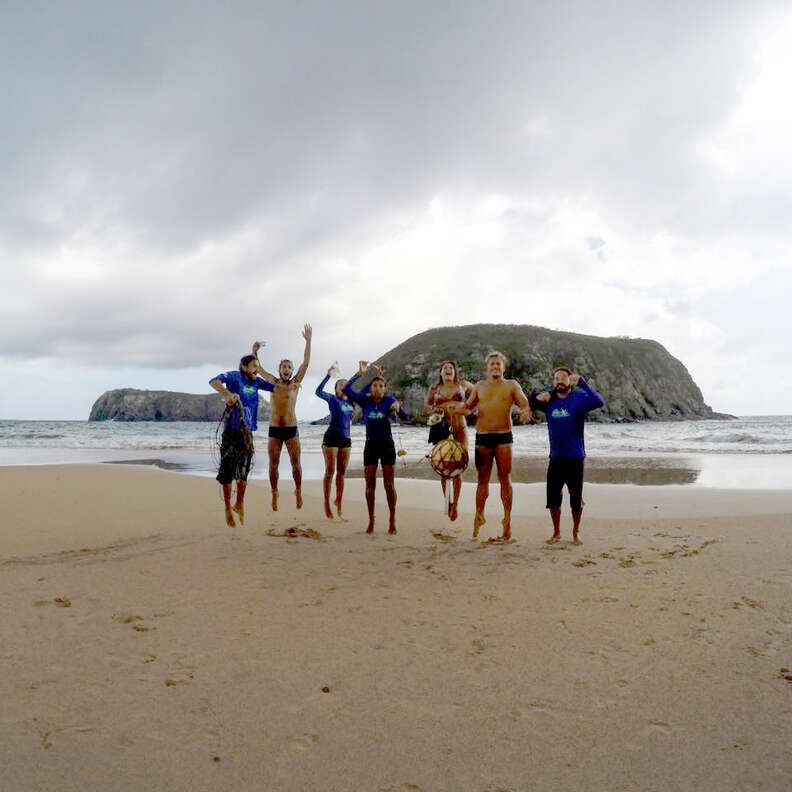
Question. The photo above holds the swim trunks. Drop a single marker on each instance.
(492, 440)
(283, 433)
(335, 439)
(379, 451)
(569, 472)
(236, 456)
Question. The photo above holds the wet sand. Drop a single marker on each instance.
(145, 645)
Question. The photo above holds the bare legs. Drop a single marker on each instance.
(501, 456)
(274, 447)
(370, 473)
(293, 447)
(555, 516)
(456, 484)
(390, 494)
(460, 435)
(239, 505)
(336, 460)
(229, 515)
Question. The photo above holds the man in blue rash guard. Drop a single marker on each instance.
(336, 443)
(566, 405)
(240, 391)
(377, 408)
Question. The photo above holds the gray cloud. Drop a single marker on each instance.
(226, 171)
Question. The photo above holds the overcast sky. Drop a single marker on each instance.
(178, 182)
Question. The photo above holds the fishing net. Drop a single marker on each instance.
(449, 458)
(227, 451)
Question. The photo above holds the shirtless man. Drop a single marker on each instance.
(283, 421)
(493, 399)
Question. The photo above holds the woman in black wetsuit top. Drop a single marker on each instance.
(379, 449)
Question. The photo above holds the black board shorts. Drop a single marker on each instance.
(569, 472)
(236, 456)
(383, 451)
(283, 433)
(334, 439)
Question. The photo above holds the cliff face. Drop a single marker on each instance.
(129, 404)
(638, 378)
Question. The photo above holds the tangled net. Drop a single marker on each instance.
(218, 452)
(449, 458)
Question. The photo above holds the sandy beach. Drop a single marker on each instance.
(145, 645)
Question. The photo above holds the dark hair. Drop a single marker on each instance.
(379, 377)
(244, 361)
(561, 368)
(440, 372)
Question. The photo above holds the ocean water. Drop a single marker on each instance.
(752, 452)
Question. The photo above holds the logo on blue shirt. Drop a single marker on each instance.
(560, 412)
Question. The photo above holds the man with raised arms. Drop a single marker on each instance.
(492, 399)
(566, 405)
(283, 421)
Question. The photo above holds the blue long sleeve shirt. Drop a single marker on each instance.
(375, 414)
(248, 390)
(566, 418)
(340, 409)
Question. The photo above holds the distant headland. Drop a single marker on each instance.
(638, 378)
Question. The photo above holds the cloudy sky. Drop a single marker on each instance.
(179, 181)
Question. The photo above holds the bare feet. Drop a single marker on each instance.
(274, 500)
(239, 508)
(576, 540)
(478, 521)
(392, 529)
(338, 508)
(229, 517)
(328, 513)
(370, 528)
(298, 498)
(452, 512)
(506, 531)
(553, 539)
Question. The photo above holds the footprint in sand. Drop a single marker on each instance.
(657, 727)
(304, 742)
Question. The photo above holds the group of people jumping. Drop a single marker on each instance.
(451, 399)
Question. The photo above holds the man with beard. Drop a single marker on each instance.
(239, 390)
(492, 400)
(566, 405)
(283, 421)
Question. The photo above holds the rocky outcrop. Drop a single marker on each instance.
(129, 404)
(638, 378)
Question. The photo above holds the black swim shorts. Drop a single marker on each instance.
(492, 440)
(236, 456)
(379, 451)
(569, 472)
(334, 439)
(283, 433)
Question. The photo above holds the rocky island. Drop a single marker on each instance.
(638, 378)
(129, 404)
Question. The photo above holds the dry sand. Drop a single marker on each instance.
(145, 646)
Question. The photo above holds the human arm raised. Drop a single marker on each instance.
(320, 391)
(306, 334)
(593, 399)
(261, 370)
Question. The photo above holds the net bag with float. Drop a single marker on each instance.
(448, 459)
